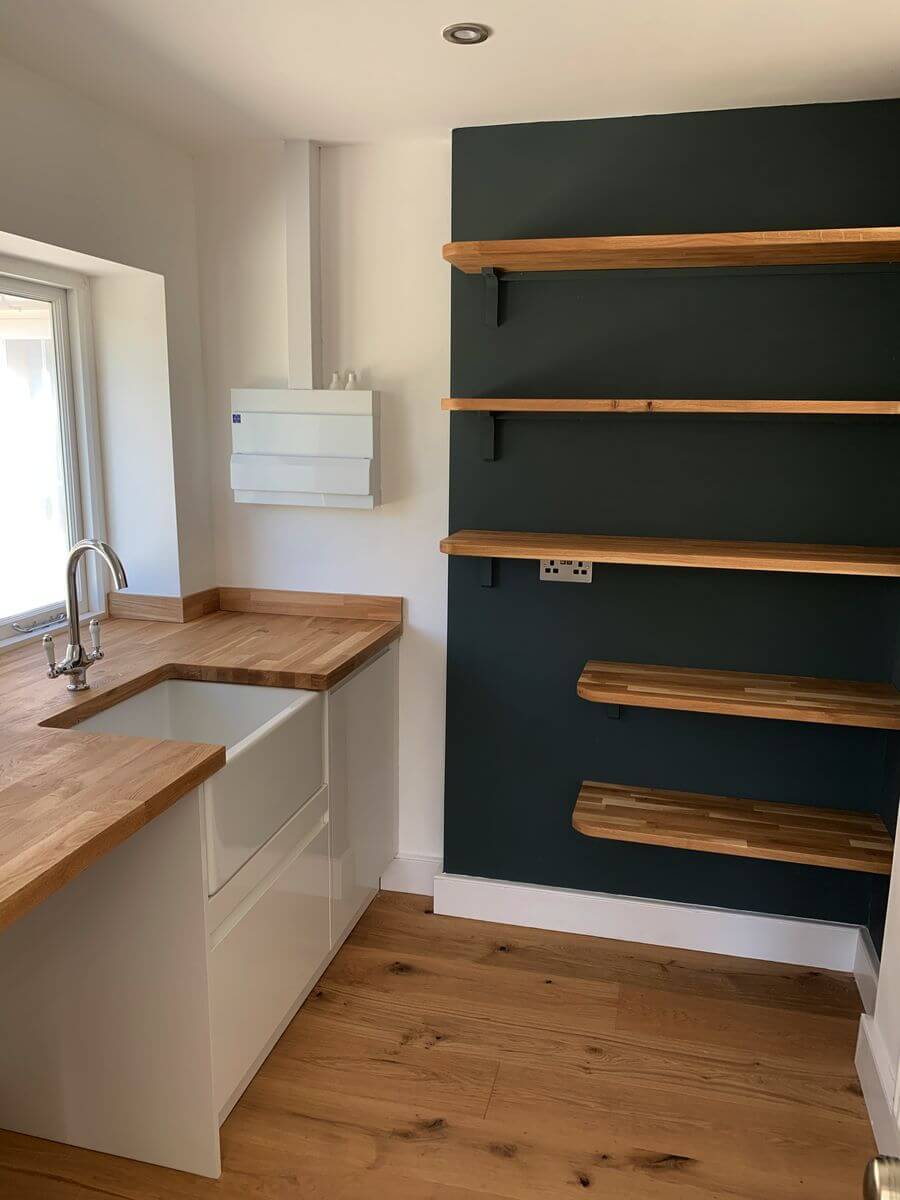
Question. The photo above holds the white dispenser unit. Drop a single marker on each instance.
(316, 447)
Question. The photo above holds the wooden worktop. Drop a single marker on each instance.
(67, 798)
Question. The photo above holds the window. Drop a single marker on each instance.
(41, 513)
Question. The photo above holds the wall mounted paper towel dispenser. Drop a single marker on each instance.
(313, 447)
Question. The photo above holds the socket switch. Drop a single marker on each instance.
(566, 570)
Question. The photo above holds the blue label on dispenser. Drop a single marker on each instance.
(235, 418)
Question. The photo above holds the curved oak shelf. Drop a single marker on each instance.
(677, 552)
(741, 694)
(781, 247)
(821, 837)
(843, 408)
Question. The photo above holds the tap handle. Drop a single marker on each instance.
(94, 630)
(50, 651)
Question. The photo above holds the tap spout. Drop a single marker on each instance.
(77, 658)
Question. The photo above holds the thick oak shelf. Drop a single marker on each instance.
(738, 693)
(844, 408)
(677, 552)
(822, 837)
(780, 247)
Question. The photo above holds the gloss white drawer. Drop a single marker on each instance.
(266, 956)
(268, 777)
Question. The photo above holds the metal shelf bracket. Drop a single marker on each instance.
(491, 279)
(488, 434)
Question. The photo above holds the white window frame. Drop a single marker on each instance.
(69, 295)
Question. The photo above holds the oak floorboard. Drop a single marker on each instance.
(323, 1054)
(620, 1058)
(638, 1109)
(428, 983)
(777, 1035)
(717, 1145)
(256, 1171)
(537, 1160)
(542, 1150)
(407, 923)
(640, 1072)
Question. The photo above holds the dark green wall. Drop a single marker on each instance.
(518, 739)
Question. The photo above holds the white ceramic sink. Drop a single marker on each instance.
(274, 760)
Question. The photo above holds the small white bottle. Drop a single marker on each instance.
(335, 385)
(350, 385)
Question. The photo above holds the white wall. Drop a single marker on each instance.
(385, 214)
(129, 309)
(77, 176)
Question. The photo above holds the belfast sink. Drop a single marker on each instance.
(274, 756)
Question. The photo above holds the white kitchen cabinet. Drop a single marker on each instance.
(266, 955)
(136, 1005)
(277, 922)
(363, 781)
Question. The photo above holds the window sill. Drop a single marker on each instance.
(25, 639)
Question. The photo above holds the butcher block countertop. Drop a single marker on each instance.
(67, 798)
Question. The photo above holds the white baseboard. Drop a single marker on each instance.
(876, 1077)
(412, 873)
(662, 923)
(865, 967)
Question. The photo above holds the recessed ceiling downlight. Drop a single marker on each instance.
(465, 33)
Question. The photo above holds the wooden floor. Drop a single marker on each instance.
(441, 1059)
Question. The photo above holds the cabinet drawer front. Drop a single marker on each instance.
(362, 785)
(244, 888)
(261, 787)
(267, 960)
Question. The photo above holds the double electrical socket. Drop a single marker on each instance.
(566, 570)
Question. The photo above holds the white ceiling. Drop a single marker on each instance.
(207, 71)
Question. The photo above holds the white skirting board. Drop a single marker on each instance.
(876, 1077)
(412, 873)
(656, 922)
(865, 968)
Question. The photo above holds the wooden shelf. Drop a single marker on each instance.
(781, 247)
(844, 408)
(822, 837)
(776, 697)
(677, 552)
